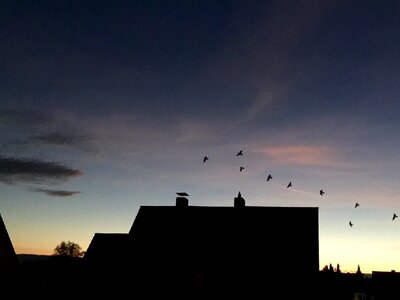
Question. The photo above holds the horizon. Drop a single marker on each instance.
(321, 266)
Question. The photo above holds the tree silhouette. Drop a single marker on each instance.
(358, 270)
(330, 268)
(338, 269)
(70, 249)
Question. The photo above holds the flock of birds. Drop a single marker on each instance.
(321, 192)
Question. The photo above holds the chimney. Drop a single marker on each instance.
(239, 201)
(181, 200)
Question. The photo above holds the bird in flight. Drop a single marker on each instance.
(269, 177)
(351, 224)
(241, 169)
(239, 153)
(394, 217)
(321, 192)
(182, 194)
(205, 159)
(355, 206)
(289, 185)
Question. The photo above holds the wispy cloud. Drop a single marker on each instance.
(59, 138)
(263, 99)
(14, 170)
(56, 193)
(301, 154)
(22, 129)
(23, 117)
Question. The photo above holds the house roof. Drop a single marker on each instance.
(8, 257)
(107, 248)
(250, 234)
(211, 238)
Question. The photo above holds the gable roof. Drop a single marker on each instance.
(8, 258)
(107, 248)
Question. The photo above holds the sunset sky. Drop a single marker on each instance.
(109, 105)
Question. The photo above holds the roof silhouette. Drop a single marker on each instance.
(8, 258)
(237, 242)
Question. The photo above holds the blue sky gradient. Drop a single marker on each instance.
(107, 106)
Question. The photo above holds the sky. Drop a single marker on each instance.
(106, 106)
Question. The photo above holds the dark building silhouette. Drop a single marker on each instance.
(8, 258)
(201, 249)
(385, 285)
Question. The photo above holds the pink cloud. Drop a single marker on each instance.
(301, 154)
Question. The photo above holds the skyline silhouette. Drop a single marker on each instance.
(194, 270)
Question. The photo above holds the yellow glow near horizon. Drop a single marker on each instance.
(378, 256)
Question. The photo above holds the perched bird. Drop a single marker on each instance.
(182, 194)
(321, 192)
(289, 185)
(239, 153)
(355, 206)
(241, 169)
(205, 159)
(394, 217)
(351, 224)
(269, 177)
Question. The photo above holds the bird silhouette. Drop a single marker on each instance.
(205, 159)
(351, 224)
(241, 169)
(239, 153)
(182, 194)
(321, 192)
(289, 185)
(269, 177)
(394, 217)
(355, 206)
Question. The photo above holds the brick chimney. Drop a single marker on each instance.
(239, 201)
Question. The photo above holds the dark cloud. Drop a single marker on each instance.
(57, 193)
(23, 117)
(20, 129)
(55, 138)
(14, 170)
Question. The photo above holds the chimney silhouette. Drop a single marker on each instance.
(239, 201)
(181, 200)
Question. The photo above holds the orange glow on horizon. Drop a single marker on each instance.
(30, 250)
